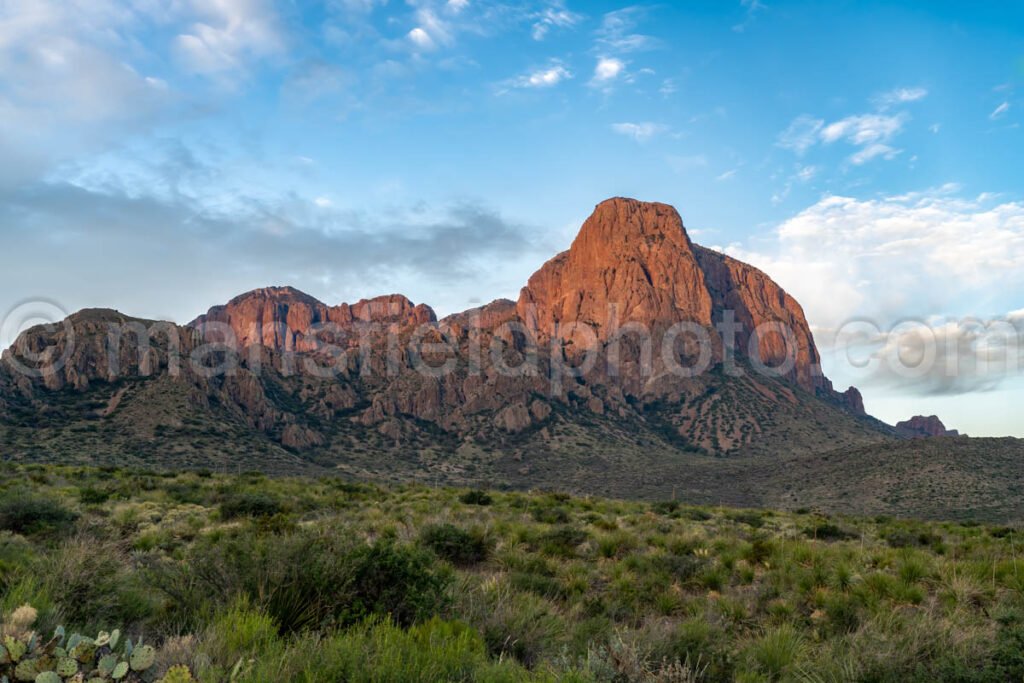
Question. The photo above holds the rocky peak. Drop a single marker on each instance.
(283, 318)
(632, 261)
(921, 426)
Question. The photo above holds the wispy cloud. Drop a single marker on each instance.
(641, 132)
(802, 134)
(617, 33)
(871, 132)
(230, 32)
(751, 9)
(898, 96)
(554, 16)
(1000, 111)
(545, 77)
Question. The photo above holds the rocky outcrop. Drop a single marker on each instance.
(632, 268)
(633, 262)
(288, 320)
(919, 427)
(852, 401)
(773, 328)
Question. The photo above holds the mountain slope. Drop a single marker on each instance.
(588, 381)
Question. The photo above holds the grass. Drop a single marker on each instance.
(302, 579)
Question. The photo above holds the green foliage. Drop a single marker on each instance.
(27, 656)
(306, 579)
(476, 497)
(248, 504)
(460, 547)
(346, 581)
(28, 513)
(828, 531)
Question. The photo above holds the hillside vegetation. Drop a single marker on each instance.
(247, 578)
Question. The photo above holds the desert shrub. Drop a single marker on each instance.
(681, 568)
(379, 651)
(562, 541)
(91, 495)
(549, 514)
(666, 507)
(828, 531)
(460, 547)
(778, 651)
(748, 517)
(91, 584)
(698, 641)
(697, 515)
(476, 497)
(27, 514)
(306, 579)
(249, 504)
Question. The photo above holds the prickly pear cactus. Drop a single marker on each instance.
(25, 657)
(178, 674)
(142, 658)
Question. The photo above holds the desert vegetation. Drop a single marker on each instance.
(247, 578)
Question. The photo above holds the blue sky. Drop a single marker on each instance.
(161, 157)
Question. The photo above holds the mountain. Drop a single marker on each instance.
(920, 426)
(634, 363)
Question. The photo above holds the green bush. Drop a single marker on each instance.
(250, 505)
(460, 547)
(27, 514)
(827, 531)
(306, 579)
(476, 497)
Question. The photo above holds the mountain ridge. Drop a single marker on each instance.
(588, 378)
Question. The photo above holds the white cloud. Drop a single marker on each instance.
(546, 77)
(873, 151)
(727, 175)
(1000, 111)
(421, 38)
(899, 96)
(555, 16)
(457, 6)
(231, 32)
(865, 129)
(806, 173)
(65, 87)
(870, 132)
(919, 254)
(641, 132)
(802, 134)
(616, 34)
(607, 70)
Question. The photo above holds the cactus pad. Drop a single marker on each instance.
(120, 671)
(66, 667)
(178, 674)
(48, 677)
(143, 657)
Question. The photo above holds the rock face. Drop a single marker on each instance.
(633, 262)
(919, 427)
(308, 375)
(285, 319)
(853, 401)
